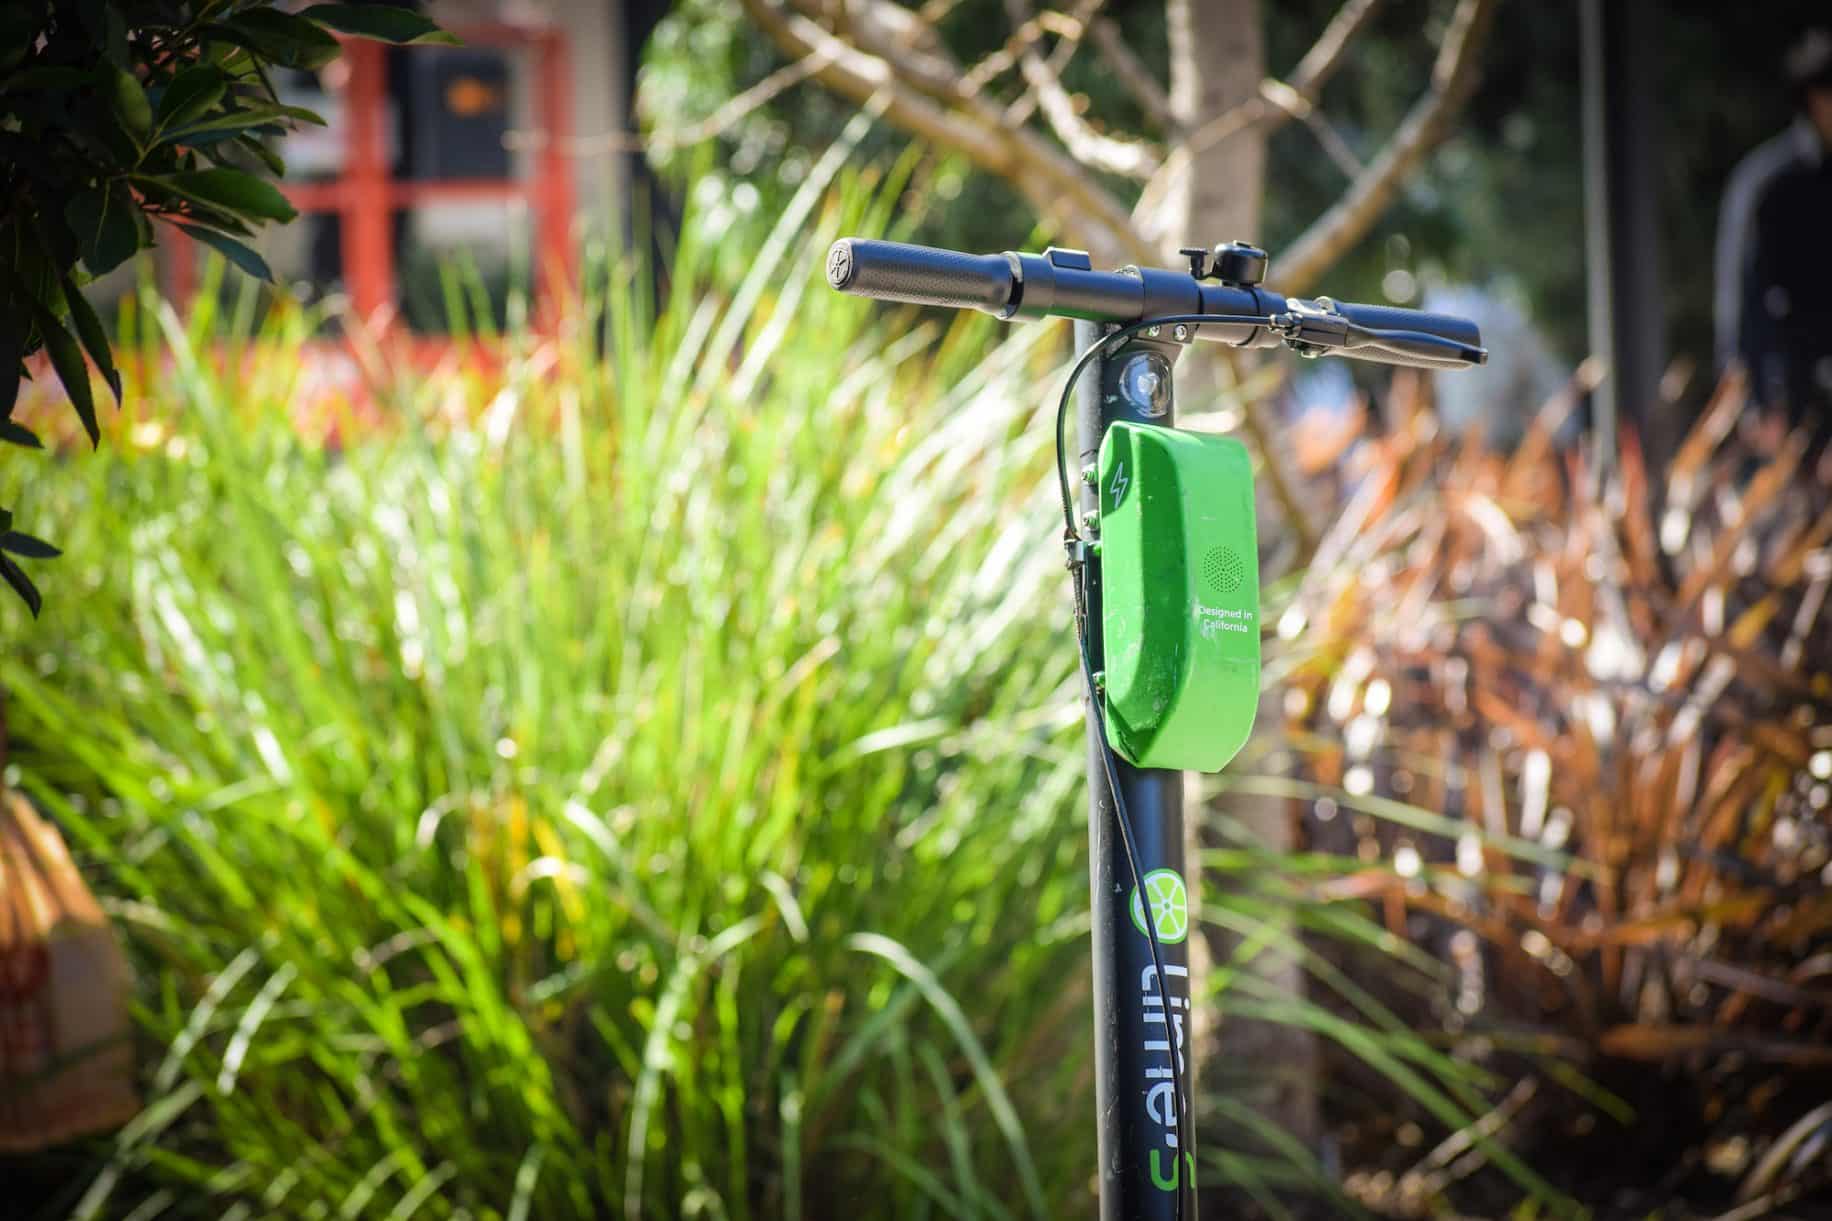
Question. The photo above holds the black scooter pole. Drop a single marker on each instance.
(1140, 1020)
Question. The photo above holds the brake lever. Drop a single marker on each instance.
(1416, 343)
(1313, 330)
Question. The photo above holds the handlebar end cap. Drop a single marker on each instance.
(840, 264)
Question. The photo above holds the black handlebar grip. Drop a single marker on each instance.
(920, 275)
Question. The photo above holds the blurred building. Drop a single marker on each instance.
(489, 162)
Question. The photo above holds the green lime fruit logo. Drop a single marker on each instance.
(1170, 905)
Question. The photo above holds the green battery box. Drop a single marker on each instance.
(1180, 625)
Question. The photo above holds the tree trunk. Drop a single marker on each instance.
(1217, 61)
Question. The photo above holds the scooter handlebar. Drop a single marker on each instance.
(1064, 284)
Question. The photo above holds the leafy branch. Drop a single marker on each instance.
(114, 115)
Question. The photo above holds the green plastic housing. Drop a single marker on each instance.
(1179, 560)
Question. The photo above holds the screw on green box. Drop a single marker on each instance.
(1180, 624)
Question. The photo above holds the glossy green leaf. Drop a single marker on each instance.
(283, 38)
(72, 370)
(265, 152)
(28, 546)
(36, 274)
(14, 433)
(236, 252)
(52, 228)
(380, 22)
(12, 351)
(22, 585)
(94, 338)
(107, 231)
(233, 191)
(237, 121)
(190, 209)
(131, 103)
(191, 94)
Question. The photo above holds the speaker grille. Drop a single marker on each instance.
(1222, 570)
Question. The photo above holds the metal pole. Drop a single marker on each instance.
(1138, 1018)
(1627, 310)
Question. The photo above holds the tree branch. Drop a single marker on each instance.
(1132, 73)
(1331, 48)
(1334, 146)
(738, 106)
(1130, 158)
(1453, 76)
(1003, 60)
(1053, 181)
(1273, 104)
(1298, 107)
(859, 75)
(1021, 110)
(664, 139)
(935, 10)
(895, 36)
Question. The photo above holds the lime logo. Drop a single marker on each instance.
(1170, 905)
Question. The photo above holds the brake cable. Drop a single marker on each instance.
(1088, 357)
(1077, 548)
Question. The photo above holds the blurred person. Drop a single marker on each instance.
(1773, 302)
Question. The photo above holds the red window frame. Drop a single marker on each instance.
(366, 195)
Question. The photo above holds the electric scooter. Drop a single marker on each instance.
(1164, 559)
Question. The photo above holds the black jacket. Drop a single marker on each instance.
(1773, 302)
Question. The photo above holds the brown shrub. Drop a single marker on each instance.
(1618, 684)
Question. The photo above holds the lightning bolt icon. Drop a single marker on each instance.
(1118, 489)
